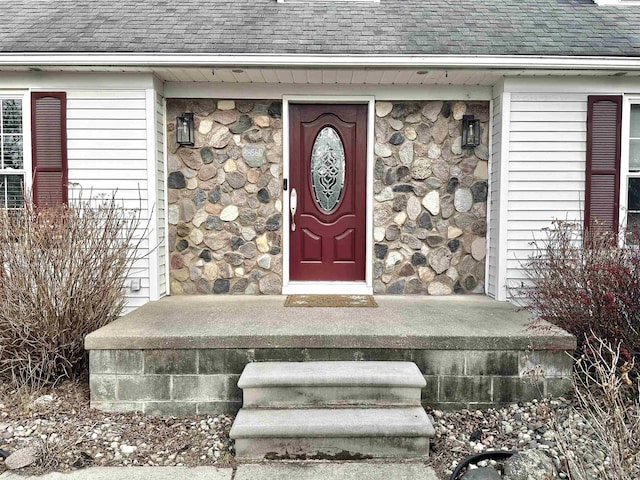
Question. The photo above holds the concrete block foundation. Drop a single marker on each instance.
(455, 379)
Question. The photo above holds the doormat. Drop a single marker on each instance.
(330, 301)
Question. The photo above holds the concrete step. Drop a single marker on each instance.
(332, 433)
(296, 384)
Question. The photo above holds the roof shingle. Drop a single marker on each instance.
(391, 27)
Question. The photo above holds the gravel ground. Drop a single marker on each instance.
(69, 435)
(517, 427)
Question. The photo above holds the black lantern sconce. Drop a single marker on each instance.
(470, 131)
(184, 130)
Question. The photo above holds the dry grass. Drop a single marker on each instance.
(62, 273)
(608, 447)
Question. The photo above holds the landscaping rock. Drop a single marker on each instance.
(21, 458)
(530, 465)
(483, 473)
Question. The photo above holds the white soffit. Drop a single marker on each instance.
(330, 76)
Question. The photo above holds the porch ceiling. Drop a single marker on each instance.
(329, 76)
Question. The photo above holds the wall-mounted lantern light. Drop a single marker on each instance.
(184, 130)
(470, 131)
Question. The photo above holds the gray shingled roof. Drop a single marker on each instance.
(395, 27)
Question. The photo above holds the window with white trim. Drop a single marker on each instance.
(631, 176)
(12, 162)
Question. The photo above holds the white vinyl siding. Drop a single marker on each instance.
(547, 150)
(494, 207)
(161, 195)
(107, 155)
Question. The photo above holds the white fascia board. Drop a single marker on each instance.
(574, 84)
(73, 80)
(277, 90)
(300, 60)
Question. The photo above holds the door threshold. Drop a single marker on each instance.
(327, 288)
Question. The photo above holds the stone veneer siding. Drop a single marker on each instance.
(186, 382)
(225, 206)
(430, 203)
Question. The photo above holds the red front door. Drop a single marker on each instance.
(328, 178)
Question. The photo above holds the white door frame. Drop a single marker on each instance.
(325, 287)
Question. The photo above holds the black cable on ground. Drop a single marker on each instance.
(493, 455)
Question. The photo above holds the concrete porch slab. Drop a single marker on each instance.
(445, 323)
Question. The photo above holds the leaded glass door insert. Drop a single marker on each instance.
(327, 169)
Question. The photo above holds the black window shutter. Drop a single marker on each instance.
(602, 189)
(49, 148)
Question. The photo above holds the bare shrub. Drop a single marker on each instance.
(601, 440)
(62, 273)
(585, 281)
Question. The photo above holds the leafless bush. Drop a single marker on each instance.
(62, 272)
(602, 439)
(585, 281)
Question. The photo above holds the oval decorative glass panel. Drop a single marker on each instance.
(327, 169)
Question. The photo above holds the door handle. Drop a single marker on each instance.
(293, 205)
